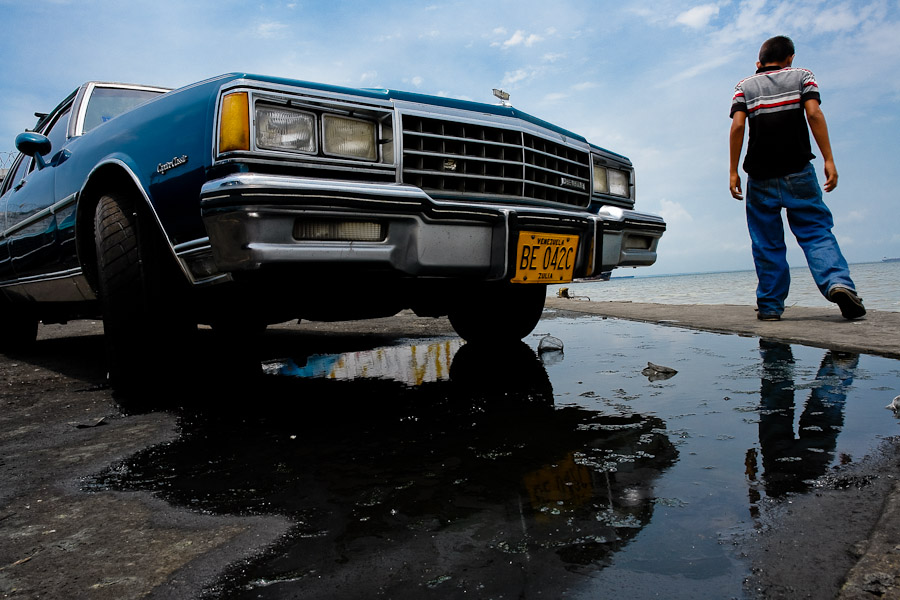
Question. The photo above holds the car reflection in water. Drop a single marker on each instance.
(459, 475)
(791, 460)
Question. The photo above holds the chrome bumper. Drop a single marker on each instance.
(250, 221)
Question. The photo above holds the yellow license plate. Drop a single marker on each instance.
(545, 257)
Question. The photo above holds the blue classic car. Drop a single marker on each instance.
(245, 200)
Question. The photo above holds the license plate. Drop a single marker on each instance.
(545, 257)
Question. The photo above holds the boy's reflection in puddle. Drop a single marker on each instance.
(790, 460)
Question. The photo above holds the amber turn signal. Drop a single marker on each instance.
(234, 123)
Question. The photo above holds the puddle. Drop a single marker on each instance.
(437, 469)
(412, 365)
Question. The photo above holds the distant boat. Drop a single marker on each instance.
(890, 260)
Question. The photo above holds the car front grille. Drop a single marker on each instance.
(450, 158)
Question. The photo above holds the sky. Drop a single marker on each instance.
(650, 79)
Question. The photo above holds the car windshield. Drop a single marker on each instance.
(106, 103)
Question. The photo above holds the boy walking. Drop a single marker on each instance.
(779, 101)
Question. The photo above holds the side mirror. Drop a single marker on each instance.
(34, 145)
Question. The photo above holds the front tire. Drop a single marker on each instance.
(137, 294)
(498, 312)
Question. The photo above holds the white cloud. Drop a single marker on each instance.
(552, 57)
(554, 97)
(585, 85)
(510, 78)
(698, 17)
(271, 29)
(855, 216)
(674, 212)
(519, 39)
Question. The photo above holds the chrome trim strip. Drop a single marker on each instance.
(73, 272)
(40, 215)
(252, 181)
(191, 246)
(300, 90)
(615, 213)
(281, 186)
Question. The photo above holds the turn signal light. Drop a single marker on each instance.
(234, 122)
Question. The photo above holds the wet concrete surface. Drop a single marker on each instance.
(387, 459)
(877, 333)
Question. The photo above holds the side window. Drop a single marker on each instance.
(57, 132)
(15, 175)
(107, 103)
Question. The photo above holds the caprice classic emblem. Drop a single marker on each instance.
(161, 168)
(572, 184)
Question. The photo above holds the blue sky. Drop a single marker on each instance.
(648, 79)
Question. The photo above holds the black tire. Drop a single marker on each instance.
(138, 292)
(498, 313)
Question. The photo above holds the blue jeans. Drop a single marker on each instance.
(810, 221)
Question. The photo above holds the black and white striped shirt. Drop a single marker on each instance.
(773, 99)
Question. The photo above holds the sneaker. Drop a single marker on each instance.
(768, 316)
(850, 304)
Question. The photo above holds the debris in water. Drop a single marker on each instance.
(895, 404)
(658, 372)
(549, 343)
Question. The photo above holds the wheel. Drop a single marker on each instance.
(139, 296)
(499, 313)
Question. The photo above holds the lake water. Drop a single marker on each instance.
(877, 283)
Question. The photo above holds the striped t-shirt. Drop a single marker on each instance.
(779, 138)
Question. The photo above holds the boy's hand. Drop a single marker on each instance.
(831, 176)
(736, 191)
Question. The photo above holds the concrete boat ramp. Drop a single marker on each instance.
(876, 333)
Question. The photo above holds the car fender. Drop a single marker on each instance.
(115, 173)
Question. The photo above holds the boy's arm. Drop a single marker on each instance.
(736, 142)
(816, 119)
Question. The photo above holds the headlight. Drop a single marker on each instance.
(618, 183)
(349, 137)
(285, 129)
(611, 181)
(601, 182)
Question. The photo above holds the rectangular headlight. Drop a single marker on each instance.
(351, 138)
(280, 128)
(618, 183)
(601, 181)
(611, 181)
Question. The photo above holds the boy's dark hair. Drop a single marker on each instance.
(776, 49)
